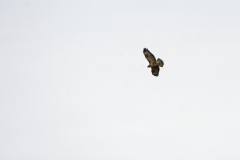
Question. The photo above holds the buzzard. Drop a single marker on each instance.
(153, 63)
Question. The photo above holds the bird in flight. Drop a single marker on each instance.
(153, 63)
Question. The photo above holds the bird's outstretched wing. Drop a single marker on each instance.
(149, 56)
(155, 70)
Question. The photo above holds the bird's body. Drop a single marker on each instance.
(153, 63)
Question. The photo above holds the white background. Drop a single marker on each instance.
(74, 83)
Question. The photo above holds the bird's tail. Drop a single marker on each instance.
(160, 62)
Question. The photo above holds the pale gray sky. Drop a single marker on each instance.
(75, 84)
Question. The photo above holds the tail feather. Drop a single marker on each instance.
(160, 62)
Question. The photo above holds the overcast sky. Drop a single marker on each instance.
(74, 82)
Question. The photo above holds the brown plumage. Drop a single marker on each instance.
(153, 63)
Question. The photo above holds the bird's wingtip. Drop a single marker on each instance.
(145, 49)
